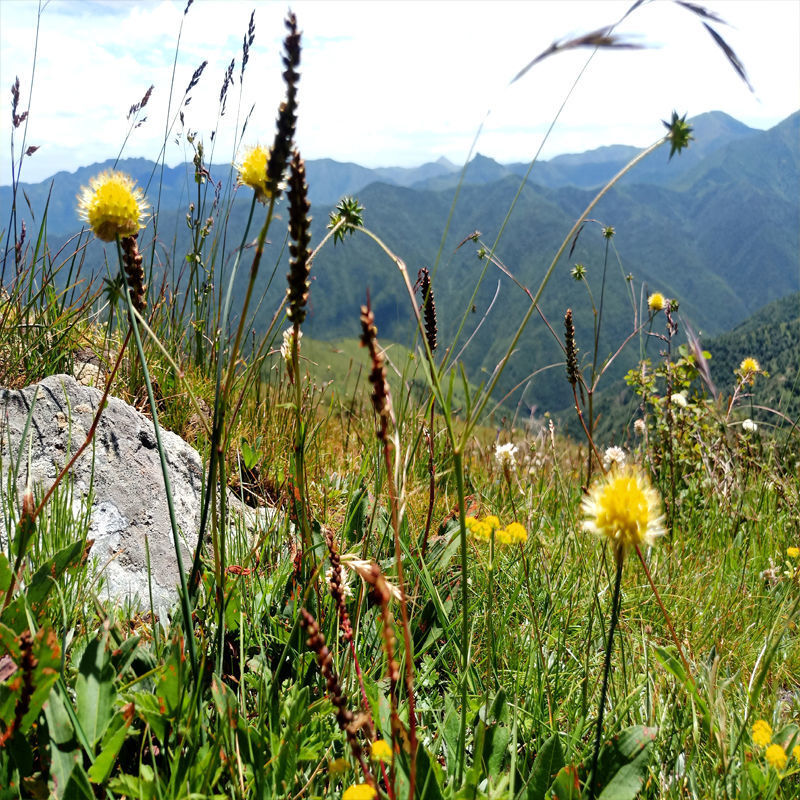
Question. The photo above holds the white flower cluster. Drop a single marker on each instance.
(286, 347)
(748, 426)
(506, 455)
(614, 457)
(344, 580)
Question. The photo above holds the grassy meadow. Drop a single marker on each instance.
(449, 601)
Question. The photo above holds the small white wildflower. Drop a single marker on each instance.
(678, 400)
(749, 426)
(286, 347)
(639, 427)
(344, 580)
(614, 456)
(506, 454)
(286, 350)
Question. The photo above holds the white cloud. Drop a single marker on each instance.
(387, 83)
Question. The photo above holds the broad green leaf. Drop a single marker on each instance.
(43, 579)
(5, 574)
(549, 760)
(94, 690)
(566, 786)
(65, 751)
(622, 765)
(105, 761)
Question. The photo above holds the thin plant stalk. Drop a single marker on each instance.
(615, 603)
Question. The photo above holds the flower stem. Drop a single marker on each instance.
(615, 603)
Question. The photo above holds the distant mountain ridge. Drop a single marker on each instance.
(719, 232)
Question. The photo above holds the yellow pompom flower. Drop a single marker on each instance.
(776, 756)
(112, 205)
(748, 369)
(359, 791)
(253, 172)
(624, 507)
(381, 750)
(656, 301)
(796, 752)
(761, 733)
(516, 532)
(793, 552)
(749, 364)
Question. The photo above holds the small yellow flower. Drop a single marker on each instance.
(776, 756)
(112, 205)
(338, 766)
(253, 172)
(623, 507)
(359, 791)
(516, 532)
(501, 535)
(381, 750)
(656, 301)
(761, 733)
(793, 552)
(796, 752)
(749, 364)
(748, 369)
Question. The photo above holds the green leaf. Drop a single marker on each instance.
(566, 786)
(45, 577)
(64, 749)
(668, 658)
(495, 736)
(94, 689)
(549, 760)
(78, 786)
(105, 761)
(428, 776)
(295, 712)
(5, 574)
(35, 661)
(622, 765)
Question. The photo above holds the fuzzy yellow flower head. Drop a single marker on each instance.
(776, 756)
(359, 791)
(796, 752)
(112, 205)
(381, 750)
(516, 533)
(748, 369)
(482, 528)
(761, 733)
(793, 552)
(253, 172)
(623, 507)
(656, 301)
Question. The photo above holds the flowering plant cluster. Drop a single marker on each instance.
(488, 526)
(775, 754)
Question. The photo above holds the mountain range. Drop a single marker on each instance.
(716, 227)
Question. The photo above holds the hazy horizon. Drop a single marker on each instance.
(384, 84)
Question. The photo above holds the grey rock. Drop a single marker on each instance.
(123, 472)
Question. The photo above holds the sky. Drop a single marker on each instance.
(382, 83)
